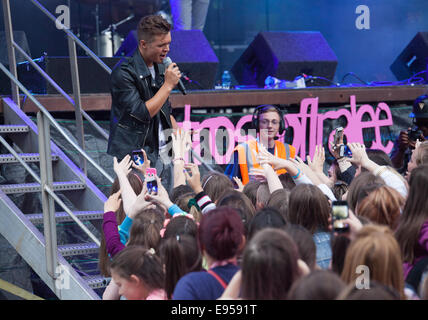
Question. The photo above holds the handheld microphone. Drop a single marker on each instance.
(167, 61)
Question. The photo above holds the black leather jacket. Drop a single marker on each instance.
(131, 126)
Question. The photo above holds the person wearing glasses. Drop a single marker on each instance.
(268, 121)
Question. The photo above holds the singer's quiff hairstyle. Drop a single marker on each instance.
(151, 26)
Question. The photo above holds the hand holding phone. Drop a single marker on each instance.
(338, 136)
(340, 212)
(138, 157)
(151, 181)
(342, 149)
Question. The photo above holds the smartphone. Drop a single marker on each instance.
(338, 136)
(339, 140)
(152, 183)
(339, 211)
(138, 157)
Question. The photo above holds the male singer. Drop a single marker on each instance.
(140, 87)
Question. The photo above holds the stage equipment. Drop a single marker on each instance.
(285, 55)
(413, 59)
(192, 53)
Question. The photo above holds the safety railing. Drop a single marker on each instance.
(72, 40)
(44, 120)
(55, 123)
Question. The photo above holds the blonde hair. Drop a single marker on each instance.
(422, 154)
(383, 206)
(183, 202)
(376, 248)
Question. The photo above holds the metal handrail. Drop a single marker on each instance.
(48, 189)
(72, 36)
(55, 123)
(60, 90)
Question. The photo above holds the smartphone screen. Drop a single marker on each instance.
(137, 157)
(152, 183)
(338, 135)
(152, 186)
(339, 210)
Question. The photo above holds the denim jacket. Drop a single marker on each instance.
(323, 248)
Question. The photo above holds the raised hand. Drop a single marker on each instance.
(264, 156)
(359, 154)
(113, 202)
(123, 167)
(142, 167)
(239, 184)
(140, 203)
(181, 143)
(194, 180)
(161, 197)
(317, 163)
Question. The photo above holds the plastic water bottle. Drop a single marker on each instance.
(225, 80)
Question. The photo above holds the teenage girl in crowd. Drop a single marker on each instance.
(221, 236)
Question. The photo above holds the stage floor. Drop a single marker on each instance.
(248, 97)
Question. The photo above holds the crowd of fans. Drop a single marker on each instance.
(213, 238)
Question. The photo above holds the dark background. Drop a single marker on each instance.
(232, 24)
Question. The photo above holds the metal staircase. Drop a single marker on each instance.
(21, 230)
(65, 261)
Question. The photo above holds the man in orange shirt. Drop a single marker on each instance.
(268, 121)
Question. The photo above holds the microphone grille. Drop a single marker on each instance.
(167, 61)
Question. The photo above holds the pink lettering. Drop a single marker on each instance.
(220, 128)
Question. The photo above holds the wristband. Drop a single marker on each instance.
(297, 175)
(175, 159)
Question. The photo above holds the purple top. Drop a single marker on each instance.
(111, 234)
(421, 249)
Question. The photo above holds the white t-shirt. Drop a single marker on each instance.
(162, 140)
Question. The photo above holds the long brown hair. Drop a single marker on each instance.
(215, 183)
(269, 265)
(145, 230)
(358, 183)
(415, 213)
(317, 285)
(183, 202)
(238, 200)
(376, 248)
(180, 255)
(309, 207)
(139, 261)
(104, 259)
(383, 206)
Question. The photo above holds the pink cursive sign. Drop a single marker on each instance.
(221, 128)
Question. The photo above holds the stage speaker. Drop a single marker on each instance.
(129, 45)
(285, 55)
(192, 53)
(413, 59)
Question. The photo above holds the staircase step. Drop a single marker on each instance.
(35, 187)
(78, 248)
(63, 216)
(10, 128)
(27, 157)
(97, 281)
